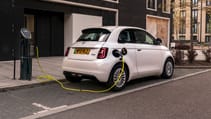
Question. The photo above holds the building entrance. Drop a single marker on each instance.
(47, 31)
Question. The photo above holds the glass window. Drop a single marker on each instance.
(182, 14)
(166, 6)
(181, 37)
(195, 21)
(195, 27)
(125, 37)
(139, 36)
(207, 39)
(94, 35)
(143, 37)
(182, 3)
(208, 23)
(151, 4)
(149, 40)
(182, 26)
(195, 2)
(194, 38)
(208, 2)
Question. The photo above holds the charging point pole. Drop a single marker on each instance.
(26, 59)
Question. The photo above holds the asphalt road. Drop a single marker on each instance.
(185, 99)
(174, 99)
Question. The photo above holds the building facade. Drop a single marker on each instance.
(56, 24)
(197, 13)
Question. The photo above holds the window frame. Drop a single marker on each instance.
(208, 2)
(168, 7)
(208, 25)
(155, 5)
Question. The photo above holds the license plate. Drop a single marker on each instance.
(83, 51)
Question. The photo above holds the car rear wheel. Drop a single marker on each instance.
(115, 76)
(168, 69)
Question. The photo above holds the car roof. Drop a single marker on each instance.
(111, 28)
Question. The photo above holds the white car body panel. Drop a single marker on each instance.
(146, 62)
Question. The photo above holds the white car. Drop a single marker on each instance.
(91, 56)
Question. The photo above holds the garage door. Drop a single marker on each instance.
(159, 28)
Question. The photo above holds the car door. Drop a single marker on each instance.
(126, 40)
(148, 54)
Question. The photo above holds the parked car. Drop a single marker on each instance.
(91, 56)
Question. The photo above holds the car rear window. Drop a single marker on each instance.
(94, 35)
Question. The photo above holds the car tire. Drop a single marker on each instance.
(168, 69)
(114, 75)
(72, 79)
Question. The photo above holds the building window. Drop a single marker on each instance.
(208, 23)
(166, 6)
(207, 39)
(182, 14)
(208, 2)
(182, 3)
(182, 26)
(195, 27)
(195, 21)
(152, 4)
(194, 38)
(194, 2)
(181, 37)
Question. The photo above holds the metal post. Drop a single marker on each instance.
(14, 64)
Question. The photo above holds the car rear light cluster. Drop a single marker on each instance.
(102, 53)
(67, 51)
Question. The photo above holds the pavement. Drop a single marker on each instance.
(51, 65)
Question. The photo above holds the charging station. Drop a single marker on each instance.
(25, 58)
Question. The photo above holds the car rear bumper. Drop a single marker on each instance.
(98, 69)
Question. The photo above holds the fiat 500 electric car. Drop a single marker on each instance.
(91, 56)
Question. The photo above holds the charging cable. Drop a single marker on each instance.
(52, 78)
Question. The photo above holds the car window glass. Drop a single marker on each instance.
(143, 37)
(139, 36)
(125, 37)
(94, 35)
(149, 40)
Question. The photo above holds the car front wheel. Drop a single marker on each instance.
(168, 69)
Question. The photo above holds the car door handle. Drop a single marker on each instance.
(138, 49)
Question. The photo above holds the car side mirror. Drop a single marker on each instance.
(158, 41)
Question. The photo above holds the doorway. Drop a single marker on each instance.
(47, 32)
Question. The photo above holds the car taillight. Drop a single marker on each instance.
(67, 51)
(102, 53)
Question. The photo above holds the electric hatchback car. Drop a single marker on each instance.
(92, 57)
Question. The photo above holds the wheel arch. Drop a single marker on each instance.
(125, 65)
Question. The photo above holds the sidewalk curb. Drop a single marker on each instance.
(11, 88)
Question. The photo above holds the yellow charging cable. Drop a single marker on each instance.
(52, 78)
